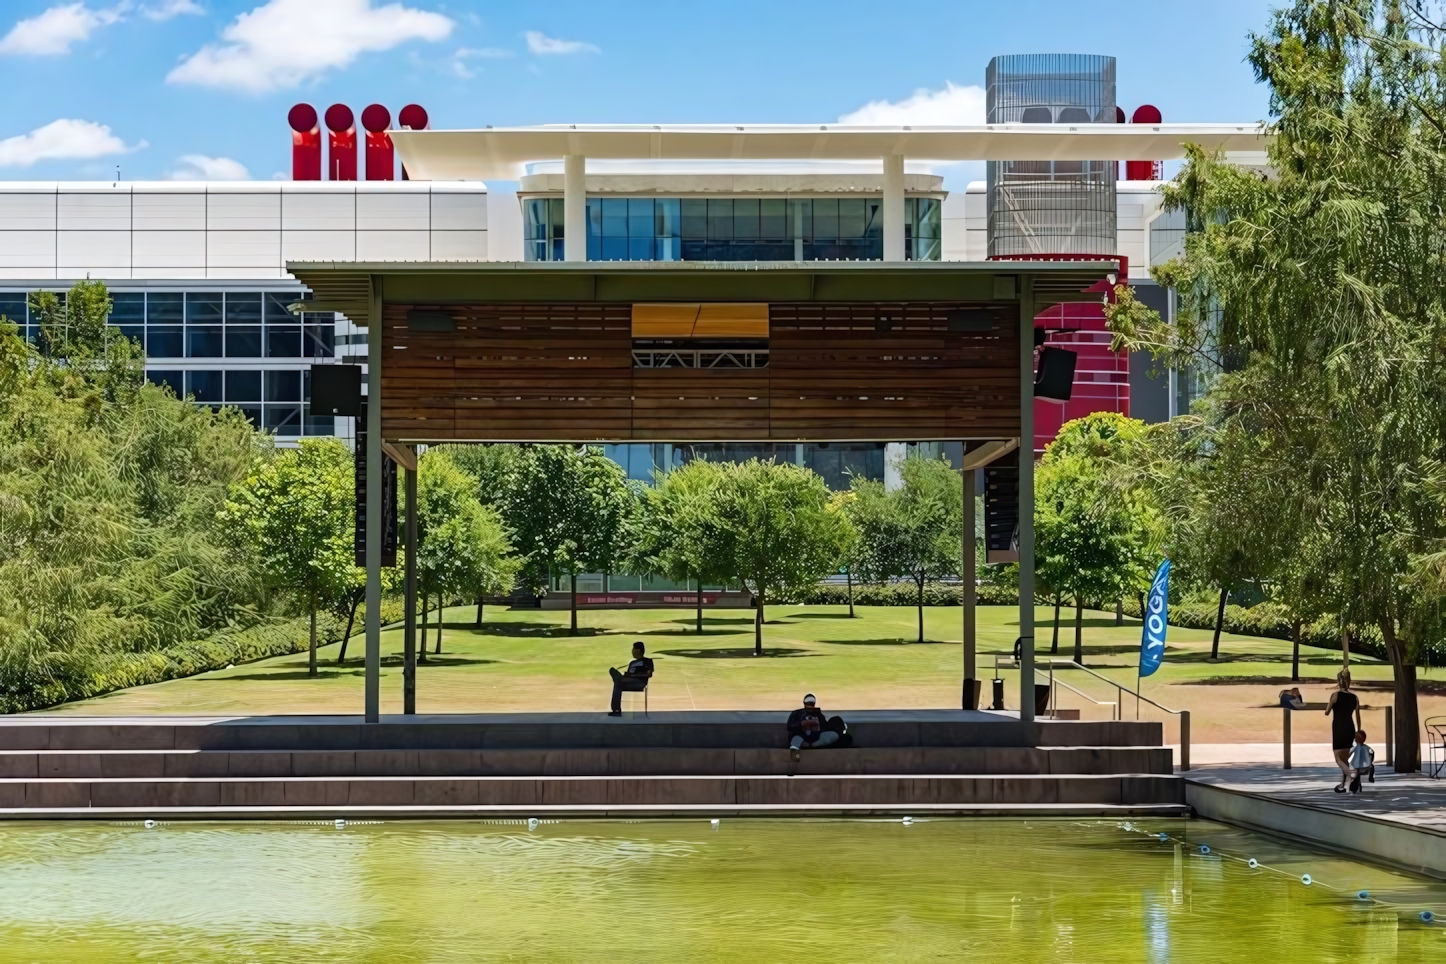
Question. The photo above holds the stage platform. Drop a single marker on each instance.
(581, 763)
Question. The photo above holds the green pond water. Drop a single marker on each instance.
(745, 890)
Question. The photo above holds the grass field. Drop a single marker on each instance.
(528, 660)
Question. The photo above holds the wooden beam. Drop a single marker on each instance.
(403, 455)
(987, 452)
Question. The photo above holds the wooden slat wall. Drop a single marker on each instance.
(564, 373)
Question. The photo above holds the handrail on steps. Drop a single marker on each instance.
(1009, 662)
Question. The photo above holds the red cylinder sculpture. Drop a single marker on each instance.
(305, 143)
(1145, 170)
(413, 117)
(341, 149)
(381, 158)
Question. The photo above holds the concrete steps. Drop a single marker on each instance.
(355, 796)
(674, 763)
(641, 761)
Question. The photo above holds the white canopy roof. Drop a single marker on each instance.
(499, 153)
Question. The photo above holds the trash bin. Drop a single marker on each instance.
(998, 695)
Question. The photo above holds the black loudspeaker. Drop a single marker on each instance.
(1055, 376)
(336, 390)
(1001, 512)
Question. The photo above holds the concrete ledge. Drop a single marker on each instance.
(1416, 849)
(808, 792)
(640, 761)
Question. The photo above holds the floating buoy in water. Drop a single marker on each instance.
(1129, 826)
(1204, 848)
(714, 823)
(531, 823)
(339, 823)
(1363, 895)
(908, 821)
(1305, 879)
(150, 825)
(1427, 917)
(1252, 863)
(1163, 836)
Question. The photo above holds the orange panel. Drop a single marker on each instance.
(731, 321)
(664, 320)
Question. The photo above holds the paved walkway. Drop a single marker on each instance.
(1412, 799)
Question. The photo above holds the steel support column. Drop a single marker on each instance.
(968, 574)
(409, 624)
(574, 208)
(1026, 500)
(374, 505)
(894, 207)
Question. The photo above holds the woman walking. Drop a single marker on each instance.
(1344, 709)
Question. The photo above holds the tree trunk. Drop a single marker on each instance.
(1054, 644)
(849, 575)
(441, 612)
(346, 636)
(921, 605)
(1219, 620)
(311, 657)
(1345, 648)
(1119, 612)
(1079, 630)
(1295, 651)
(426, 602)
(479, 612)
(758, 627)
(700, 607)
(574, 603)
(1407, 713)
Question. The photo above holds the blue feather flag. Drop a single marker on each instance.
(1152, 643)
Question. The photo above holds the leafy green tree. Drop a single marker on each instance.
(913, 531)
(776, 531)
(462, 547)
(296, 512)
(1319, 292)
(567, 508)
(1093, 538)
(844, 502)
(675, 531)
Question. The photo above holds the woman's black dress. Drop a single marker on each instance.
(1343, 720)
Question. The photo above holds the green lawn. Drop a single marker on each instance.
(527, 660)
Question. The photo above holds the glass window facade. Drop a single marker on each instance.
(218, 326)
(733, 229)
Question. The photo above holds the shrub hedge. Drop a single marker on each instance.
(82, 678)
(904, 594)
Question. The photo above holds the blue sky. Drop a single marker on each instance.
(168, 88)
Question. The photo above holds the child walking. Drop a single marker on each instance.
(1363, 761)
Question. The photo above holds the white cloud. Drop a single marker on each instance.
(199, 167)
(64, 139)
(285, 42)
(951, 106)
(463, 54)
(540, 43)
(53, 31)
(166, 9)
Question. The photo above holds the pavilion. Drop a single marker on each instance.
(818, 351)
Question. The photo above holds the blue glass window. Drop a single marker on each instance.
(165, 308)
(283, 386)
(243, 341)
(205, 386)
(165, 341)
(243, 308)
(203, 308)
(275, 310)
(283, 419)
(640, 218)
(128, 315)
(283, 341)
(694, 214)
(745, 219)
(318, 341)
(243, 386)
(204, 341)
(720, 219)
(773, 219)
(12, 307)
(175, 381)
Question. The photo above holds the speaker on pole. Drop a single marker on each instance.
(336, 390)
(1054, 378)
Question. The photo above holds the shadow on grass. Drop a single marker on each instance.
(738, 652)
(821, 616)
(1428, 687)
(727, 620)
(322, 672)
(677, 633)
(895, 641)
(533, 631)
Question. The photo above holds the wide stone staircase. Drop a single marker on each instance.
(578, 764)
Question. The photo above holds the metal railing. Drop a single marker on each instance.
(1117, 706)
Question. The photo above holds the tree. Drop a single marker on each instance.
(776, 531)
(462, 547)
(675, 532)
(1319, 293)
(297, 512)
(567, 507)
(844, 502)
(1094, 538)
(913, 531)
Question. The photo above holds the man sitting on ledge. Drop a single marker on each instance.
(634, 679)
(808, 728)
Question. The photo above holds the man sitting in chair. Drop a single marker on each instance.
(634, 679)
